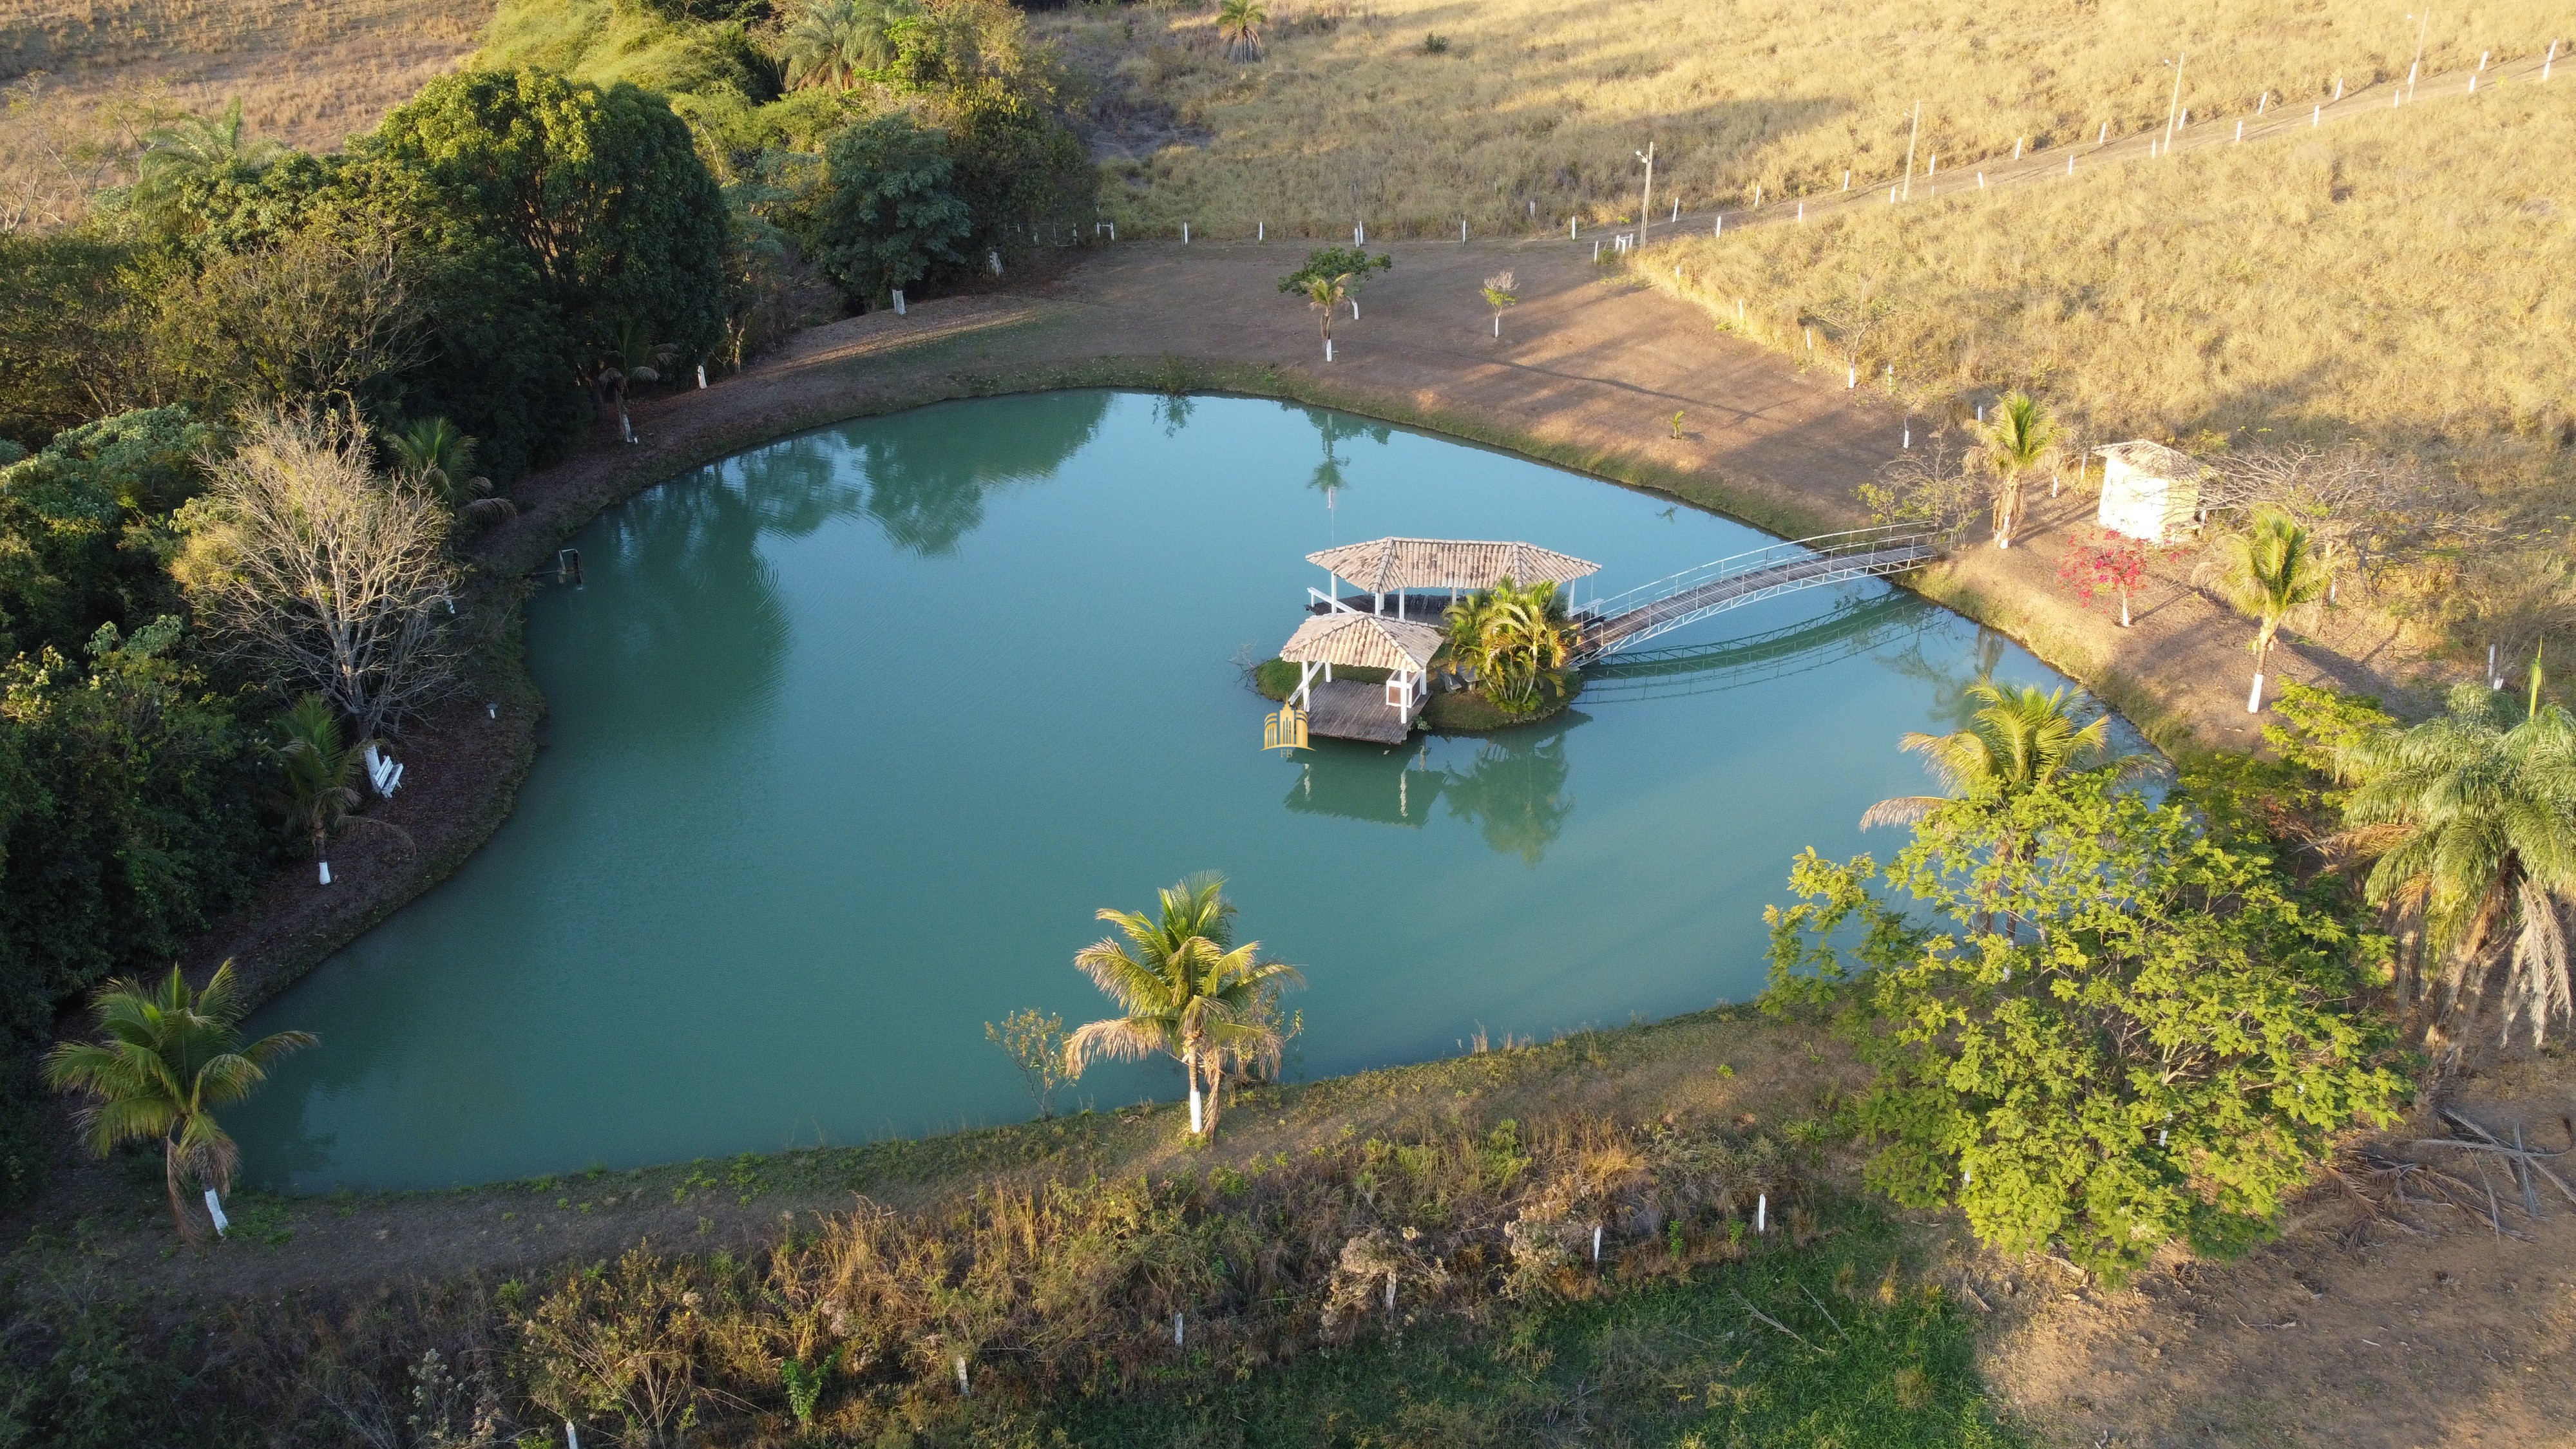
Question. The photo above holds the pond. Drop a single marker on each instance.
(851, 735)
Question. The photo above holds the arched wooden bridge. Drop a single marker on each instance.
(1624, 621)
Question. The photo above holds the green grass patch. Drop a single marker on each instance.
(1860, 1356)
(1469, 712)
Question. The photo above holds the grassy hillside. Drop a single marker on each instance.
(2393, 277)
(2392, 280)
(81, 77)
(1354, 115)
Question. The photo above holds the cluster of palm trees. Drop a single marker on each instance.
(1511, 639)
(1185, 990)
(2466, 824)
(838, 43)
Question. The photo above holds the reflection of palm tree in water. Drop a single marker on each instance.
(1333, 428)
(1952, 703)
(1515, 790)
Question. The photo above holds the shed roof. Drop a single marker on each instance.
(1385, 564)
(1363, 641)
(2154, 459)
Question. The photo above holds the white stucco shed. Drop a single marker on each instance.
(2150, 491)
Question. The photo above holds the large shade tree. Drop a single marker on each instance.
(2092, 1026)
(891, 210)
(551, 211)
(168, 1057)
(2469, 822)
(1184, 990)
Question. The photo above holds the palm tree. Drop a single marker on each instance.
(1185, 989)
(170, 1058)
(1238, 24)
(2017, 436)
(1512, 635)
(2470, 820)
(632, 356)
(835, 42)
(1500, 293)
(2018, 741)
(198, 148)
(438, 458)
(1469, 620)
(2266, 571)
(320, 796)
(1324, 294)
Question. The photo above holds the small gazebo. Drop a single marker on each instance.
(1348, 709)
(1439, 568)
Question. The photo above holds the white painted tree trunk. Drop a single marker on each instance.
(2254, 697)
(1196, 1111)
(2124, 608)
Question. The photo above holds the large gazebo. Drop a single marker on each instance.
(1348, 709)
(1441, 568)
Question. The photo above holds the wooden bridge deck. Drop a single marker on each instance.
(1348, 710)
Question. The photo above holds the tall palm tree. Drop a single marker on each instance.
(2470, 821)
(320, 795)
(1238, 24)
(1185, 990)
(170, 1057)
(835, 42)
(1324, 294)
(2018, 740)
(438, 458)
(2017, 436)
(2266, 571)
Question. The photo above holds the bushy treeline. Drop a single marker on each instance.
(616, 193)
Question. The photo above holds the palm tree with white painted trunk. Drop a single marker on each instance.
(2266, 571)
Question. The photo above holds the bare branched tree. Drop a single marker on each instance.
(1851, 315)
(2362, 508)
(1931, 485)
(322, 575)
(312, 319)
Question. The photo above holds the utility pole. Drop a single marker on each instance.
(1909, 150)
(2422, 22)
(2173, 108)
(1645, 204)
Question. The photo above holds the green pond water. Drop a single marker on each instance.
(850, 736)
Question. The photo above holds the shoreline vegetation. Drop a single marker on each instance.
(1453, 711)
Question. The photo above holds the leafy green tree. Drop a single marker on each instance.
(81, 535)
(2016, 437)
(1502, 290)
(1350, 266)
(2017, 741)
(170, 1057)
(549, 212)
(2469, 821)
(891, 210)
(2266, 571)
(1183, 989)
(2149, 1047)
(72, 318)
(1017, 166)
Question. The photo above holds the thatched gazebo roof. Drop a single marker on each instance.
(1386, 564)
(1363, 641)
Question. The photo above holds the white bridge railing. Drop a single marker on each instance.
(1622, 621)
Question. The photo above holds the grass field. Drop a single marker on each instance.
(1353, 116)
(2393, 277)
(80, 77)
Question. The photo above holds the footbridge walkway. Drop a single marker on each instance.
(1623, 621)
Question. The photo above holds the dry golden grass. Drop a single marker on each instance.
(1544, 100)
(2398, 276)
(82, 75)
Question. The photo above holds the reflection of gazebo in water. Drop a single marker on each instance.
(1392, 627)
